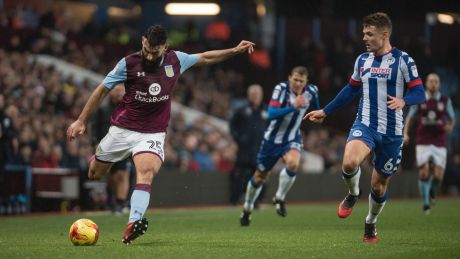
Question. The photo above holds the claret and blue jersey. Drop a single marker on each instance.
(146, 106)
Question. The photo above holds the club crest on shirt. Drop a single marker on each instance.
(391, 60)
(357, 133)
(169, 71)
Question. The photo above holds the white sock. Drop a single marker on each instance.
(376, 205)
(352, 181)
(252, 192)
(286, 180)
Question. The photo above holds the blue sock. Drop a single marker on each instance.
(139, 202)
(424, 188)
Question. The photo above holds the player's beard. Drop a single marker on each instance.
(152, 65)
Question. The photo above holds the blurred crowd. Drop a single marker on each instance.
(41, 102)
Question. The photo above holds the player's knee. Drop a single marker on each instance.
(260, 178)
(292, 166)
(349, 166)
(423, 173)
(378, 189)
(95, 175)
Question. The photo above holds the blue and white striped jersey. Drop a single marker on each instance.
(287, 127)
(380, 76)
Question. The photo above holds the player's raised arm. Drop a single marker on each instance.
(216, 56)
(78, 127)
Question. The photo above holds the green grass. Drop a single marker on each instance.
(309, 231)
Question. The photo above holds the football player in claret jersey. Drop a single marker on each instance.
(434, 120)
(138, 124)
(282, 139)
(380, 75)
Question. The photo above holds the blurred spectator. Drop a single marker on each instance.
(247, 127)
(8, 133)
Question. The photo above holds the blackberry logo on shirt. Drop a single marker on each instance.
(154, 89)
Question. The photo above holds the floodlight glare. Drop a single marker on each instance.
(192, 9)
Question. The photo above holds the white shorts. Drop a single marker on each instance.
(437, 155)
(119, 143)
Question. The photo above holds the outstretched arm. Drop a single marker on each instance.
(216, 56)
(78, 127)
(346, 95)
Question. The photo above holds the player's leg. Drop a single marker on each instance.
(286, 179)
(439, 160)
(147, 166)
(148, 156)
(388, 154)
(423, 154)
(267, 157)
(253, 190)
(356, 150)
(98, 169)
(377, 200)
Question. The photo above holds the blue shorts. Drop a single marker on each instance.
(387, 149)
(269, 153)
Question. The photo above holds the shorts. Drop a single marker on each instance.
(269, 153)
(387, 149)
(120, 143)
(425, 153)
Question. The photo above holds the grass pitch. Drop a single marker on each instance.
(309, 231)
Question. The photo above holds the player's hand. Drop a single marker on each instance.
(299, 102)
(317, 116)
(245, 46)
(448, 128)
(77, 128)
(394, 103)
(406, 139)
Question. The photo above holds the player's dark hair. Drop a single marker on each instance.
(379, 20)
(300, 70)
(155, 35)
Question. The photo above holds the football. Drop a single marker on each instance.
(84, 232)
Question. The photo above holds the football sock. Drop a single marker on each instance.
(424, 188)
(286, 180)
(139, 201)
(352, 181)
(375, 207)
(252, 192)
